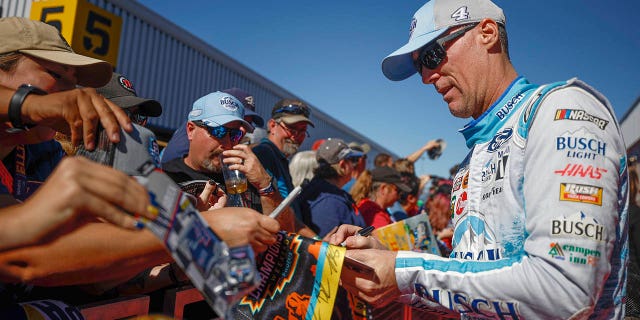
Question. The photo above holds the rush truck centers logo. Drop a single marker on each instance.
(581, 193)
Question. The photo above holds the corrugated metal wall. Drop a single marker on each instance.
(169, 64)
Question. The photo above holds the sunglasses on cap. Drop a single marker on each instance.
(235, 135)
(432, 55)
(293, 109)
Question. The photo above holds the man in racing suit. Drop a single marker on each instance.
(540, 202)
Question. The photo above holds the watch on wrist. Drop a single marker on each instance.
(15, 106)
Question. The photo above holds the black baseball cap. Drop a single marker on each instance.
(389, 175)
(121, 92)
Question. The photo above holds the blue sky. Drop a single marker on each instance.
(329, 52)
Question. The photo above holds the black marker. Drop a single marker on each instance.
(365, 232)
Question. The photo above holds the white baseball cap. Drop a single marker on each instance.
(432, 20)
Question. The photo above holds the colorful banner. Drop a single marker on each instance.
(299, 280)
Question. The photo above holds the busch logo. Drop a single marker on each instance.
(460, 302)
(229, 103)
(580, 115)
(578, 170)
(578, 225)
(504, 110)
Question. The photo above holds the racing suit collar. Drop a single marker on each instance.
(485, 127)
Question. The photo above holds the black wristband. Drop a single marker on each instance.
(15, 106)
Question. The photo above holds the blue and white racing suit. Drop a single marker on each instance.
(540, 211)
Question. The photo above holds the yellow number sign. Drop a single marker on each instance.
(90, 30)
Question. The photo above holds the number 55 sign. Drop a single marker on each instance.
(90, 30)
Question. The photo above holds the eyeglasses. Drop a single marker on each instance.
(294, 132)
(235, 135)
(293, 109)
(432, 55)
(137, 118)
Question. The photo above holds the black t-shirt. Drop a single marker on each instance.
(181, 173)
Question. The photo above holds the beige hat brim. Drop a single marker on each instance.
(295, 118)
(89, 71)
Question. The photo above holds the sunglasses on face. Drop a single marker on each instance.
(432, 55)
(137, 118)
(294, 132)
(219, 132)
(293, 109)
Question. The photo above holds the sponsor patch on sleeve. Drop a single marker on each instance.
(584, 193)
(580, 115)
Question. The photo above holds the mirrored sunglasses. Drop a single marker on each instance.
(235, 135)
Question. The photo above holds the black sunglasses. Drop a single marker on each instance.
(432, 55)
(293, 109)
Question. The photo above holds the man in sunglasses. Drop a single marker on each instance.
(539, 205)
(287, 130)
(215, 127)
(178, 145)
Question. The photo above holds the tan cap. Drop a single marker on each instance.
(40, 40)
(292, 113)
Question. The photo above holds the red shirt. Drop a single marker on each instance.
(373, 214)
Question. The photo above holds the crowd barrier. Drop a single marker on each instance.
(176, 299)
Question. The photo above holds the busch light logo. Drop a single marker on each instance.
(499, 139)
(580, 115)
(412, 27)
(581, 144)
(229, 103)
(577, 225)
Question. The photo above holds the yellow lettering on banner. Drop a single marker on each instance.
(330, 280)
(90, 30)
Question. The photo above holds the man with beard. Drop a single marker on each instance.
(215, 127)
(287, 129)
(216, 124)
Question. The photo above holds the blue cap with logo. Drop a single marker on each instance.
(431, 21)
(217, 109)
